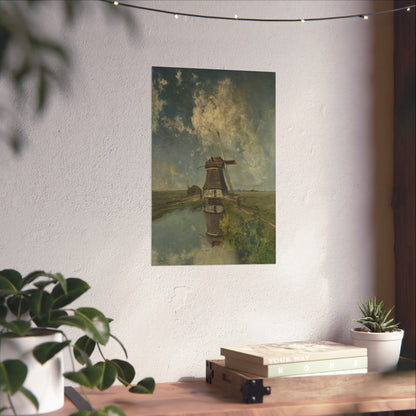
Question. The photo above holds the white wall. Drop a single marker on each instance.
(79, 198)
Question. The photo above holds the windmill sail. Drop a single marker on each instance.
(226, 162)
(227, 177)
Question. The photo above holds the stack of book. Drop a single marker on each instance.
(296, 359)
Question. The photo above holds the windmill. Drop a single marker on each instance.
(215, 187)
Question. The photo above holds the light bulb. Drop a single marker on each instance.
(365, 17)
(176, 16)
(302, 20)
(115, 3)
(235, 16)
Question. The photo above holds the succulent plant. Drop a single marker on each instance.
(375, 318)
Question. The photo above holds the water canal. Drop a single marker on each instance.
(189, 236)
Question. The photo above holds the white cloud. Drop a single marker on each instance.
(227, 112)
(176, 124)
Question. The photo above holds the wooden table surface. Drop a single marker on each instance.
(202, 399)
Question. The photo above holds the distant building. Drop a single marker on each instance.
(194, 190)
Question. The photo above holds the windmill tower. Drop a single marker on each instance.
(215, 186)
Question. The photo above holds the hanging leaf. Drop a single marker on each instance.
(45, 351)
(89, 320)
(75, 288)
(125, 371)
(108, 374)
(98, 328)
(88, 376)
(18, 327)
(12, 375)
(83, 349)
(145, 386)
(30, 396)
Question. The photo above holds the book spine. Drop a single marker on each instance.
(333, 373)
(313, 367)
(288, 369)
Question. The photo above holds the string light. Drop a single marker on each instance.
(365, 16)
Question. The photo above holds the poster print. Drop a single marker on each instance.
(213, 167)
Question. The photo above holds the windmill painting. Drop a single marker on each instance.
(213, 167)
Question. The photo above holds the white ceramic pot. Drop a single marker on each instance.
(383, 348)
(44, 381)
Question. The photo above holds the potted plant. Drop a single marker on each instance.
(34, 311)
(380, 335)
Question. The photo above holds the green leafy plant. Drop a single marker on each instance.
(375, 317)
(41, 300)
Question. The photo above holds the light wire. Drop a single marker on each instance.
(250, 19)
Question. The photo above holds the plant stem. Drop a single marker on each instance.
(73, 369)
(11, 404)
(101, 353)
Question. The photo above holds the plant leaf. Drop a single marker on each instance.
(3, 312)
(105, 411)
(30, 396)
(13, 276)
(83, 413)
(145, 386)
(6, 287)
(31, 277)
(94, 326)
(12, 375)
(83, 349)
(19, 327)
(108, 374)
(88, 376)
(125, 371)
(45, 351)
(110, 411)
(18, 305)
(55, 316)
(75, 288)
(40, 304)
(98, 328)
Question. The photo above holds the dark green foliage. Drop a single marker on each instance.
(40, 300)
(42, 63)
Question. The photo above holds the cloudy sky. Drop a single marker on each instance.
(189, 107)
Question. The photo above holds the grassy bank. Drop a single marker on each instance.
(253, 239)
